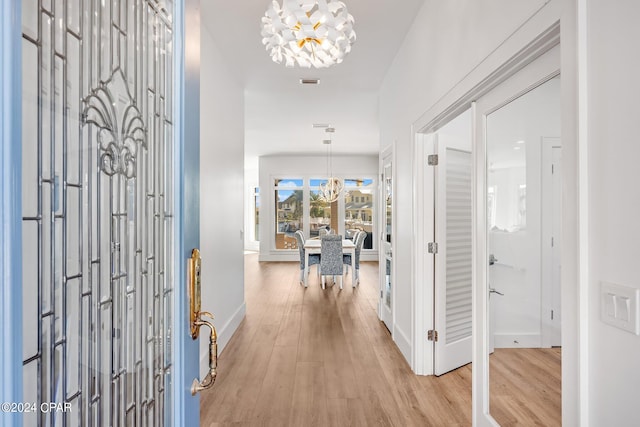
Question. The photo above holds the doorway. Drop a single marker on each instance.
(387, 236)
(449, 246)
(518, 124)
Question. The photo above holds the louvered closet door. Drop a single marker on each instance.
(453, 259)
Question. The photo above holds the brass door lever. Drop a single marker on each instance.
(195, 303)
(210, 378)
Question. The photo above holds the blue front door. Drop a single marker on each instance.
(100, 211)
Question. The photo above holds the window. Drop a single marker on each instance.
(319, 210)
(289, 211)
(358, 208)
(299, 206)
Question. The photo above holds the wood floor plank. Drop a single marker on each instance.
(309, 402)
(313, 357)
(239, 382)
(276, 394)
(529, 396)
(346, 412)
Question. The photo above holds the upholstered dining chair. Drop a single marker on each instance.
(347, 257)
(355, 264)
(331, 263)
(313, 258)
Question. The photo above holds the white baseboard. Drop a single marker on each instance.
(224, 335)
(518, 340)
(283, 256)
(369, 256)
(403, 343)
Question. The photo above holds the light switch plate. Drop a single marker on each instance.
(620, 306)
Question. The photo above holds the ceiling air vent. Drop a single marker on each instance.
(309, 81)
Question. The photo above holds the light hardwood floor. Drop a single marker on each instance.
(308, 357)
(525, 386)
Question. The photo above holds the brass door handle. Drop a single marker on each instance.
(210, 378)
(194, 281)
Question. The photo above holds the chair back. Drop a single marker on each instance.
(331, 255)
(359, 241)
(299, 235)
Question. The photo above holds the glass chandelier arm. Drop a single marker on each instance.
(331, 190)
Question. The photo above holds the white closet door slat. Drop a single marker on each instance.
(458, 246)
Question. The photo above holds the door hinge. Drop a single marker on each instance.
(551, 314)
(552, 242)
(432, 248)
(552, 169)
(432, 159)
(380, 294)
(432, 335)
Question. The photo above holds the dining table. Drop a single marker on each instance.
(313, 246)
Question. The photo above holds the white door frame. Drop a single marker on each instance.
(533, 37)
(424, 263)
(550, 314)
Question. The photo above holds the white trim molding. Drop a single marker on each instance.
(403, 341)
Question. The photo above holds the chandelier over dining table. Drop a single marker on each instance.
(308, 33)
(330, 189)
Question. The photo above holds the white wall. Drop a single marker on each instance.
(445, 43)
(221, 194)
(614, 203)
(271, 167)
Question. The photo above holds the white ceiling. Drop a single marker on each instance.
(279, 111)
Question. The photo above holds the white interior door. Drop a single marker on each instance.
(453, 255)
(386, 254)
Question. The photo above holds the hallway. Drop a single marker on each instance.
(306, 357)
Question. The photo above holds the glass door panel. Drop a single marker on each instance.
(513, 121)
(98, 222)
(386, 269)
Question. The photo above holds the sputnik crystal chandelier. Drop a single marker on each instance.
(331, 189)
(308, 32)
